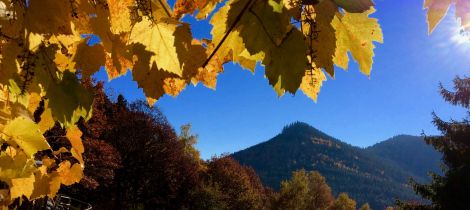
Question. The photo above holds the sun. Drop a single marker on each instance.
(458, 38)
(461, 37)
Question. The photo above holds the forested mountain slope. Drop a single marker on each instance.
(377, 174)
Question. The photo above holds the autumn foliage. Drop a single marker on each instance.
(46, 53)
(135, 159)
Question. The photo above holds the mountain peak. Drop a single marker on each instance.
(296, 125)
(379, 167)
(301, 130)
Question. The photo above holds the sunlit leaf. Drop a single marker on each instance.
(26, 134)
(356, 33)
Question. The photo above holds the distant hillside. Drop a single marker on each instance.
(377, 174)
(400, 148)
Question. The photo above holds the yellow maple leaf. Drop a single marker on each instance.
(154, 82)
(263, 28)
(462, 11)
(47, 120)
(22, 186)
(69, 100)
(267, 34)
(89, 58)
(204, 7)
(159, 38)
(34, 41)
(118, 57)
(26, 134)
(312, 82)
(70, 174)
(356, 32)
(74, 136)
(161, 10)
(9, 67)
(195, 59)
(45, 184)
(233, 48)
(33, 102)
(96, 20)
(15, 164)
(16, 170)
(287, 70)
(66, 50)
(57, 15)
(437, 11)
(207, 75)
(120, 15)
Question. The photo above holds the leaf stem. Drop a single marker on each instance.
(164, 8)
(239, 17)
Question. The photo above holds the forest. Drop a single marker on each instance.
(67, 144)
(136, 160)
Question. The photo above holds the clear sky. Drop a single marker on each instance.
(398, 98)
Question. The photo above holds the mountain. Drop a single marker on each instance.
(377, 174)
(400, 148)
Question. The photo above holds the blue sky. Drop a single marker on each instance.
(398, 98)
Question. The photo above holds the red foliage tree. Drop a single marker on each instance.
(229, 185)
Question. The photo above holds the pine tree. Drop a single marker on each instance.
(452, 189)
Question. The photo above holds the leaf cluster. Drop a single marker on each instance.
(46, 53)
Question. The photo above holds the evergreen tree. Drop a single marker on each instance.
(452, 189)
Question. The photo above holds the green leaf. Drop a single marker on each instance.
(287, 71)
(69, 100)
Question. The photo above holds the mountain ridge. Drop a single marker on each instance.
(362, 172)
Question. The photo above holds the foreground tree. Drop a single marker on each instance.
(305, 190)
(343, 202)
(157, 170)
(365, 207)
(451, 190)
(229, 185)
(134, 157)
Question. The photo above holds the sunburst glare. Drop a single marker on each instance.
(461, 37)
(451, 36)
